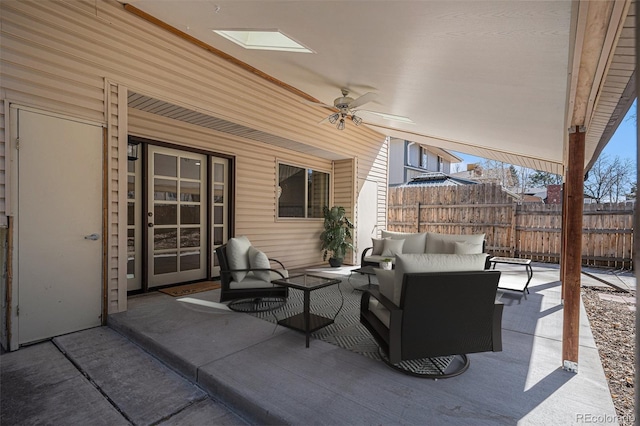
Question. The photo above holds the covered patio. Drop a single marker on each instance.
(265, 374)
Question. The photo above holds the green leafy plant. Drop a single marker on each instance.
(336, 237)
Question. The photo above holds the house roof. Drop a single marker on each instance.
(496, 79)
(437, 179)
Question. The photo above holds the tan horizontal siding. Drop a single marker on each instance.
(56, 55)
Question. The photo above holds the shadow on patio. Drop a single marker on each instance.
(265, 373)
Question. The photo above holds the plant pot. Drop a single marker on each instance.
(335, 263)
(386, 265)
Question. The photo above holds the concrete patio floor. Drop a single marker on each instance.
(258, 373)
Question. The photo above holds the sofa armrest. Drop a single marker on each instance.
(364, 254)
(367, 294)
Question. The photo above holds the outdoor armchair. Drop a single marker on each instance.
(246, 275)
(436, 316)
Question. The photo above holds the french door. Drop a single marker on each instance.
(176, 216)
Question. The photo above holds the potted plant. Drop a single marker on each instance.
(336, 237)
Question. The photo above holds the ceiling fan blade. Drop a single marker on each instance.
(318, 104)
(367, 97)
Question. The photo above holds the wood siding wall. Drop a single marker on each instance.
(79, 58)
(344, 194)
(515, 230)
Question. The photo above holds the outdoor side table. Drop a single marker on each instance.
(365, 270)
(305, 321)
(515, 261)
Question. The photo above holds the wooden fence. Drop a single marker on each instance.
(529, 230)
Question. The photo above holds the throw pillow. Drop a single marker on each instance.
(392, 247)
(238, 256)
(378, 246)
(259, 260)
(413, 242)
(461, 247)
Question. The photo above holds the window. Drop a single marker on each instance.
(301, 192)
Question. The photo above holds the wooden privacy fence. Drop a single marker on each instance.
(531, 230)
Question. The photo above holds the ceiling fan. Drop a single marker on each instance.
(346, 108)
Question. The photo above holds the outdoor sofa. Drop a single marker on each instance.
(393, 243)
(433, 306)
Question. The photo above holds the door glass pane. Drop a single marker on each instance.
(165, 165)
(218, 193)
(164, 239)
(218, 215)
(165, 263)
(190, 260)
(131, 266)
(218, 172)
(131, 216)
(165, 189)
(217, 236)
(190, 237)
(131, 239)
(131, 187)
(189, 168)
(190, 191)
(189, 215)
(166, 214)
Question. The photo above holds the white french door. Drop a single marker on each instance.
(176, 216)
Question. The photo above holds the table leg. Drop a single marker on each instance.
(307, 314)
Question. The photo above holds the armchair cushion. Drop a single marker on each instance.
(444, 243)
(259, 260)
(385, 281)
(413, 243)
(238, 255)
(392, 247)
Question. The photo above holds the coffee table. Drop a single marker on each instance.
(306, 321)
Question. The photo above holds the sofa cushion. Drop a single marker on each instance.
(238, 256)
(259, 260)
(413, 242)
(435, 262)
(466, 248)
(378, 259)
(378, 246)
(444, 243)
(385, 282)
(392, 247)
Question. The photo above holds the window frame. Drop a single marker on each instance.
(306, 190)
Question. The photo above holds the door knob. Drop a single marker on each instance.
(92, 237)
(150, 225)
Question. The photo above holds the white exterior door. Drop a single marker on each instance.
(176, 216)
(59, 226)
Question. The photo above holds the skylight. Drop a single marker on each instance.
(263, 40)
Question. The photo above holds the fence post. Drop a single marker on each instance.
(418, 218)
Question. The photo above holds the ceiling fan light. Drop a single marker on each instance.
(340, 125)
(333, 118)
(356, 120)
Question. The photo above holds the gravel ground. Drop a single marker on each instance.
(613, 326)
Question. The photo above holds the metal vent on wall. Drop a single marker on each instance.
(175, 112)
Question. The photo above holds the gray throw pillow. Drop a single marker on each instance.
(392, 247)
(259, 260)
(238, 256)
(378, 246)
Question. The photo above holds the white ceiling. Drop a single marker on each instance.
(488, 78)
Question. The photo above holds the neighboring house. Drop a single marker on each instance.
(410, 159)
(437, 179)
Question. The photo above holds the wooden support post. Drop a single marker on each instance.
(563, 239)
(574, 187)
